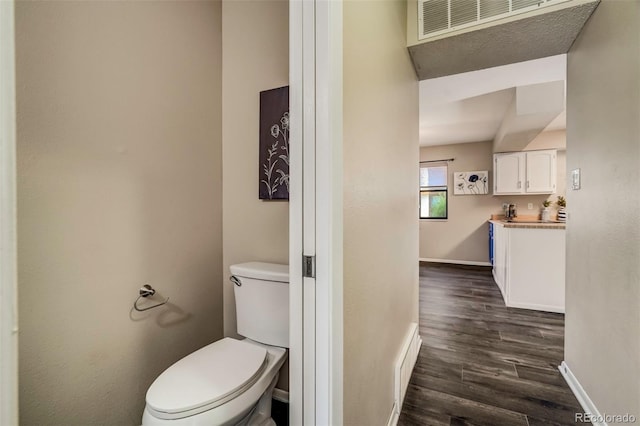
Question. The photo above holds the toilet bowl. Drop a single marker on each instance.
(219, 384)
(230, 382)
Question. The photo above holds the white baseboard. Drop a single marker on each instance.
(404, 365)
(536, 307)
(581, 395)
(280, 395)
(393, 420)
(455, 262)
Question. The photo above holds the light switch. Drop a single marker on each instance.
(575, 179)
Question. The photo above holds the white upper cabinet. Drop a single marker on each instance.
(509, 173)
(541, 172)
(531, 172)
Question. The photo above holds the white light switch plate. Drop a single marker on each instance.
(575, 179)
(530, 206)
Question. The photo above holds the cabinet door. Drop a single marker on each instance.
(509, 173)
(541, 172)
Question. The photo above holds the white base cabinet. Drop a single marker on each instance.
(500, 247)
(529, 267)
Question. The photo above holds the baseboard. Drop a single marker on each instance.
(405, 362)
(393, 419)
(581, 395)
(455, 262)
(280, 395)
(536, 307)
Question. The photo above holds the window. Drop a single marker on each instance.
(433, 191)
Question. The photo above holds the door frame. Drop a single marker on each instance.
(316, 330)
(8, 248)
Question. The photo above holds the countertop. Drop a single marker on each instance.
(529, 224)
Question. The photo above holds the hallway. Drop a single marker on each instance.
(482, 363)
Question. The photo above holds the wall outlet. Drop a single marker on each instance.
(505, 206)
(530, 206)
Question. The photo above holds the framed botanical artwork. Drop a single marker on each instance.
(471, 183)
(273, 173)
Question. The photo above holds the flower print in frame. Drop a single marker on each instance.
(471, 183)
(273, 170)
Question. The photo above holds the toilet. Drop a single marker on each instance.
(231, 381)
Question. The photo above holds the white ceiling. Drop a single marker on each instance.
(470, 107)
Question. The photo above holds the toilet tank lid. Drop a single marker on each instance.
(261, 271)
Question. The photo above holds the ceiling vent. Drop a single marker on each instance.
(437, 17)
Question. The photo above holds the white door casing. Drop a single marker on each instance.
(8, 268)
(316, 211)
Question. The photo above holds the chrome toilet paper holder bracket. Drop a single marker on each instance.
(146, 291)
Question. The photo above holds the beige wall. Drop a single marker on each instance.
(602, 335)
(255, 40)
(119, 185)
(254, 230)
(464, 236)
(553, 139)
(380, 204)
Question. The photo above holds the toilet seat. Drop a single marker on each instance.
(206, 379)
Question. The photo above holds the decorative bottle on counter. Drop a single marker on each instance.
(546, 214)
(562, 205)
(562, 215)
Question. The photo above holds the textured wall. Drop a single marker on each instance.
(602, 335)
(119, 184)
(254, 230)
(465, 234)
(380, 204)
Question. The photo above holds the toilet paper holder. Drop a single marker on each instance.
(146, 291)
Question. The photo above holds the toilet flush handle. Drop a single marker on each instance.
(235, 280)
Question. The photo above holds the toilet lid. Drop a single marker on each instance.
(210, 376)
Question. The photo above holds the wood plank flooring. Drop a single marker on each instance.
(482, 363)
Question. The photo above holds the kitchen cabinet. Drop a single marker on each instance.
(530, 172)
(529, 266)
(509, 173)
(491, 251)
(500, 241)
(541, 172)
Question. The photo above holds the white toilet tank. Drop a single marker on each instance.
(262, 301)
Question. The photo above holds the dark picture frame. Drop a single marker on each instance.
(273, 170)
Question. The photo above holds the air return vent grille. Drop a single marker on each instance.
(491, 8)
(437, 17)
(463, 12)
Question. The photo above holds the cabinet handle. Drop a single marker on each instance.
(519, 184)
(527, 184)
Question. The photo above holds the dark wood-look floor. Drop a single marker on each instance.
(482, 363)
